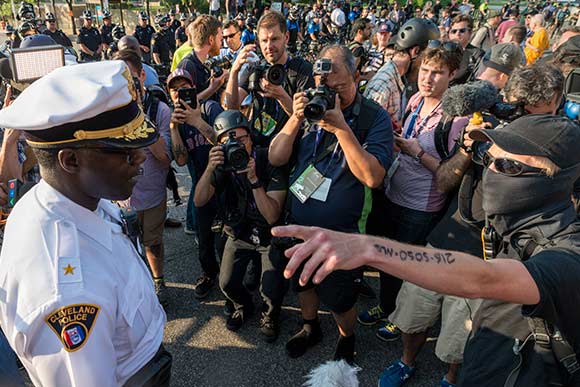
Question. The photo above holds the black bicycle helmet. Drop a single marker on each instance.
(143, 15)
(162, 20)
(38, 40)
(26, 27)
(416, 32)
(228, 120)
(49, 16)
(26, 11)
(118, 32)
(87, 15)
(106, 14)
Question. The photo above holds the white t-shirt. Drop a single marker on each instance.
(214, 5)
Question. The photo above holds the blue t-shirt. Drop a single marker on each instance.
(352, 16)
(349, 201)
(292, 25)
(248, 37)
(313, 28)
(196, 144)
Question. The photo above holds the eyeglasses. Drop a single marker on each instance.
(447, 46)
(459, 30)
(507, 166)
(231, 35)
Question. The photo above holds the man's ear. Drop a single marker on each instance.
(68, 160)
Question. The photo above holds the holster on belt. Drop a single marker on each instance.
(156, 373)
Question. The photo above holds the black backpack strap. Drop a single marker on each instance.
(442, 137)
(366, 117)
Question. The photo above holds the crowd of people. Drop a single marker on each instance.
(435, 144)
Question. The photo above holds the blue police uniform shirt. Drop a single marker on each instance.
(352, 16)
(313, 28)
(347, 195)
(248, 36)
(292, 25)
(90, 37)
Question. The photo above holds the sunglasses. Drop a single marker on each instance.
(507, 166)
(230, 36)
(459, 30)
(447, 46)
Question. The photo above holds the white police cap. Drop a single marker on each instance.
(73, 105)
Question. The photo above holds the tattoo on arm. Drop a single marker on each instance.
(440, 258)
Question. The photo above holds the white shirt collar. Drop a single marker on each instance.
(85, 220)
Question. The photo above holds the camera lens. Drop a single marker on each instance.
(316, 108)
(276, 75)
(238, 159)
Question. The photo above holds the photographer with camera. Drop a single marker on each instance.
(343, 152)
(271, 81)
(253, 198)
(206, 39)
(191, 139)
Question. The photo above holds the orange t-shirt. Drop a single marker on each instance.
(541, 41)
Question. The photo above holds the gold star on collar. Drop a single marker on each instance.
(69, 270)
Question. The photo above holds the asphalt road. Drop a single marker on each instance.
(207, 354)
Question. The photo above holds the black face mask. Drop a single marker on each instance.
(516, 203)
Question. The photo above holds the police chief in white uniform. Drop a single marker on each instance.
(77, 302)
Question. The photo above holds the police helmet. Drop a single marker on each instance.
(162, 20)
(49, 16)
(240, 16)
(172, 12)
(416, 32)
(26, 27)
(228, 120)
(251, 22)
(118, 32)
(143, 15)
(38, 40)
(106, 14)
(183, 16)
(87, 15)
(26, 11)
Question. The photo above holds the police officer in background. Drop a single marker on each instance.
(107, 31)
(180, 34)
(89, 309)
(89, 39)
(161, 41)
(144, 33)
(56, 34)
(174, 24)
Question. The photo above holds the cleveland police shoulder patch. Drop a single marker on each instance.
(72, 324)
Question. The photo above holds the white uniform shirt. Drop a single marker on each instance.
(337, 17)
(77, 303)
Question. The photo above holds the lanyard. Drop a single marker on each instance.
(411, 127)
(414, 115)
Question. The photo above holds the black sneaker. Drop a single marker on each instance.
(203, 286)
(270, 327)
(309, 336)
(237, 319)
(229, 308)
(161, 292)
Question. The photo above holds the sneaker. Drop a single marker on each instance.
(237, 319)
(390, 332)
(172, 223)
(364, 289)
(445, 383)
(203, 286)
(396, 374)
(270, 327)
(372, 316)
(345, 349)
(308, 336)
(161, 292)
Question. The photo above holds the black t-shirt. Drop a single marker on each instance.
(90, 37)
(489, 357)
(241, 212)
(198, 71)
(471, 56)
(107, 33)
(180, 35)
(59, 37)
(144, 34)
(268, 117)
(161, 45)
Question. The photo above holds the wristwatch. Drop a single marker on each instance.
(419, 155)
(256, 185)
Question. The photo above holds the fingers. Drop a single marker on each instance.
(300, 232)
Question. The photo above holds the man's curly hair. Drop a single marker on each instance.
(535, 85)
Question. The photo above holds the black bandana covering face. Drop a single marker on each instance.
(527, 201)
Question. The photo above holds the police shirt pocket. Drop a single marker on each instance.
(133, 309)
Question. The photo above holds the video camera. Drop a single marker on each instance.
(275, 74)
(236, 157)
(218, 65)
(321, 97)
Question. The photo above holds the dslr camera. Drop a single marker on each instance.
(275, 74)
(321, 98)
(218, 65)
(235, 156)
